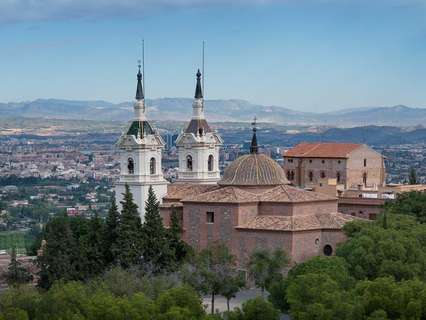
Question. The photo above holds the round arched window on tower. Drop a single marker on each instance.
(210, 163)
(130, 166)
(328, 250)
(188, 163)
(152, 166)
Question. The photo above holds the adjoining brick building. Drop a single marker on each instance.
(354, 172)
(254, 206)
(353, 166)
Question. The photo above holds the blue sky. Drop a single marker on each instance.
(309, 55)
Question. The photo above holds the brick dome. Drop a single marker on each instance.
(253, 170)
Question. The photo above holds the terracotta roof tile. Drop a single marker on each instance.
(286, 193)
(177, 191)
(225, 194)
(253, 170)
(322, 150)
(298, 223)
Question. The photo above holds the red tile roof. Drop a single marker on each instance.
(224, 195)
(330, 221)
(322, 150)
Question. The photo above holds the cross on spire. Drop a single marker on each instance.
(254, 148)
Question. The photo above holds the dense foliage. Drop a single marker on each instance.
(378, 273)
(79, 249)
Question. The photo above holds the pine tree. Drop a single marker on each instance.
(156, 250)
(95, 258)
(128, 247)
(111, 233)
(17, 274)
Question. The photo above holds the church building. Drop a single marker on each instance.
(251, 206)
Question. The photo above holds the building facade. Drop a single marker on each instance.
(254, 206)
(349, 165)
(140, 156)
(198, 146)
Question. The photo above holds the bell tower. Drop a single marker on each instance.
(140, 156)
(198, 146)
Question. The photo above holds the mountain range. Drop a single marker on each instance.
(179, 109)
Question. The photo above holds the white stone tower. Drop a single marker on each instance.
(198, 146)
(140, 156)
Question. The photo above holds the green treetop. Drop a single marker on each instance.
(128, 247)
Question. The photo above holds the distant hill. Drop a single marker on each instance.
(179, 109)
(371, 135)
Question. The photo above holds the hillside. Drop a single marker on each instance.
(179, 109)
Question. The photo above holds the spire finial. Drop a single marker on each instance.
(198, 89)
(139, 87)
(254, 147)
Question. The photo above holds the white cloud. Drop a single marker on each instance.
(34, 10)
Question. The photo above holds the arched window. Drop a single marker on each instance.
(328, 250)
(152, 166)
(288, 175)
(130, 166)
(311, 176)
(322, 174)
(364, 179)
(338, 177)
(210, 163)
(189, 163)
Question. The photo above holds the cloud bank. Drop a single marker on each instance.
(39, 10)
(36, 10)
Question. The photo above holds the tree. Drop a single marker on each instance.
(180, 249)
(396, 251)
(60, 254)
(335, 267)
(17, 274)
(156, 249)
(409, 203)
(95, 258)
(265, 266)
(180, 301)
(317, 296)
(232, 283)
(258, 308)
(129, 242)
(210, 269)
(112, 223)
(412, 179)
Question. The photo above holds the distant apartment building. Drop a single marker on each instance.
(348, 165)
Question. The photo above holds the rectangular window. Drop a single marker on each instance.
(365, 162)
(210, 217)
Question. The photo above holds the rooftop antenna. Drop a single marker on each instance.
(143, 64)
(203, 72)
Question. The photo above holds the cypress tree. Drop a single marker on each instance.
(174, 233)
(128, 247)
(111, 233)
(60, 253)
(412, 179)
(17, 274)
(156, 250)
(95, 259)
